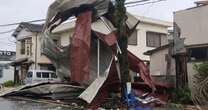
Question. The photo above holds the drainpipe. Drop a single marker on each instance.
(36, 38)
(98, 58)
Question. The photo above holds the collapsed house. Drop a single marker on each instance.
(90, 60)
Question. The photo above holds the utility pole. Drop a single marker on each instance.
(120, 18)
(179, 53)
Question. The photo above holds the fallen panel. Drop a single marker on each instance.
(46, 90)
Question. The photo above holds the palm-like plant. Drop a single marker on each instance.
(200, 91)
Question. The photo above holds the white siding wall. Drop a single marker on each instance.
(65, 38)
(141, 46)
(8, 74)
(158, 63)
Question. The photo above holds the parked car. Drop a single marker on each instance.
(34, 76)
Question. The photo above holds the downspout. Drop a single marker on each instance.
(98, 58)
(36, 38)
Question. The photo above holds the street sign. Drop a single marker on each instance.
(7, 55)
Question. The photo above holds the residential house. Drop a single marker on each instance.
(193, 28)
(149, 34)
(6, 70)
(28, 50)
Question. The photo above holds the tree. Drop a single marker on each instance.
(120, 14)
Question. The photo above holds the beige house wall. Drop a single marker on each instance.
(41, 59)
(22, 35)
(35, 55)
(194, 28)
(193, 24)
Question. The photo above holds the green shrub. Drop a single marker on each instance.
(200, 83)
(181, 96)
(9, 83)
(202, 71)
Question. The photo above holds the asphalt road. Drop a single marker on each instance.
(14, 104)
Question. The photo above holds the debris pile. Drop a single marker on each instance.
(91, 58)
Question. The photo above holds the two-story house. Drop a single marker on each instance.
(193, 27)
(28, 50)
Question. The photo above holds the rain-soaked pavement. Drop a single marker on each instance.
(14, 104)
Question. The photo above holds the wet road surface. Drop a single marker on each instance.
(14, 104)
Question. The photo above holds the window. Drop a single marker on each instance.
(153, 39)
(28, 50)
(1, 73)
(47, 67)
(29, 74)
(132, 40)
(45, 75)
(57, 42)
(22, 49)
(38, 74)
(198, 54)
(53, 75)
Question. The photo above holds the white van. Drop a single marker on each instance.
(34, 76)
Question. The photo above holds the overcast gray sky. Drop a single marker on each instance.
(25, 10)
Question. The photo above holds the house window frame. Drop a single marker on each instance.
(134, 44)
(22, 47)
(147, 39)
(1, 73)
(196, 60)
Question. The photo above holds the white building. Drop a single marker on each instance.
(149, 34)
(6, 71)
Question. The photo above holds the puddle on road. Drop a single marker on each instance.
(12, 104)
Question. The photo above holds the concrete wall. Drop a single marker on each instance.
(158, 63)
(8, 73)
(191, 73)
(193, 24)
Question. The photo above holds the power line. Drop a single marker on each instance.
(39, 20)
(9, 31)
(146, 3)
(127, 4)
(11, 24)
(6, 43)
(133, 2)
